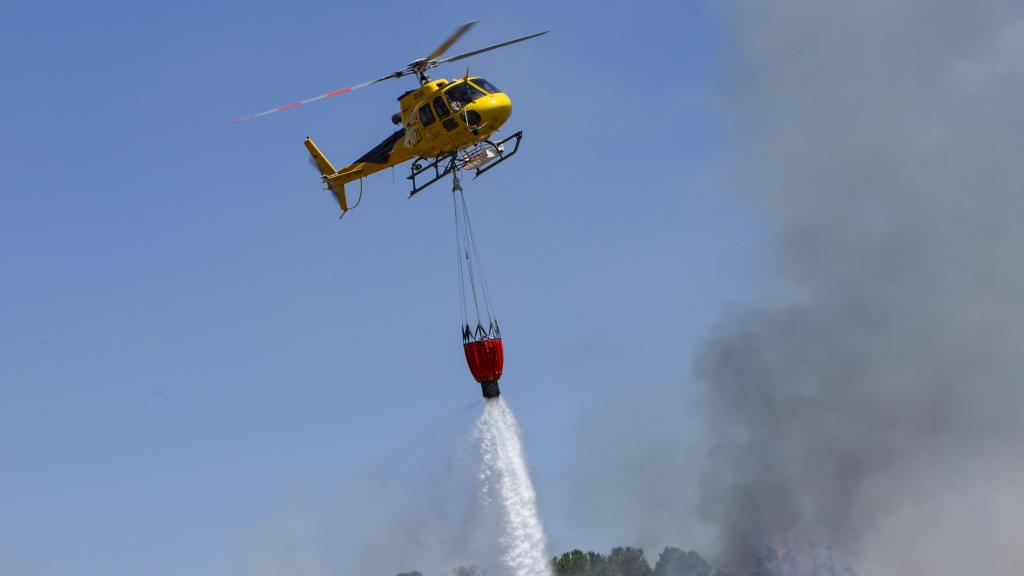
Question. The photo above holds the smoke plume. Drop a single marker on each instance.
(877, 405)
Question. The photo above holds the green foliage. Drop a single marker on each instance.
(628, 562)
(675, 562)
(621, 562)
(579, 563)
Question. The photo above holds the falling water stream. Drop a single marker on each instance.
(505, 490)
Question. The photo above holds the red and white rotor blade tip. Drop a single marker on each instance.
(306, 101)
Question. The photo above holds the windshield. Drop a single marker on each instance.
(461, 94)
(487, 86)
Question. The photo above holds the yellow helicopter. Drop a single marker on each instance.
(446, 126)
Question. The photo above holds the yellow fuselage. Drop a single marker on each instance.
(440, 137)
(440, 117)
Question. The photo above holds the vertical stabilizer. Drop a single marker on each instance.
(331, 177)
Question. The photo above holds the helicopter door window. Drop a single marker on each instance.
(426, 115)
(440, 107)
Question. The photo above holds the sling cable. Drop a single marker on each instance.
(481, 337)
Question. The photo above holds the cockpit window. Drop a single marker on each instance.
(481, 83)
(461, 94)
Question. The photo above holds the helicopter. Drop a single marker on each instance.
(445, 126)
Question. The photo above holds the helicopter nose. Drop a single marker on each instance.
(496, 108)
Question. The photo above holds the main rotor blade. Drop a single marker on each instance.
(475, 52)
(313, 99)
(451, 40)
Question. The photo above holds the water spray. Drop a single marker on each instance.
(505, 489)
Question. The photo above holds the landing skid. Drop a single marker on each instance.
(446, 164)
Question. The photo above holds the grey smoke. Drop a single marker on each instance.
(877, 406)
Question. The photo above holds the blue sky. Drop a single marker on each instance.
(192, 346)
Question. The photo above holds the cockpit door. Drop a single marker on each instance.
(427, 121)
(444, 114)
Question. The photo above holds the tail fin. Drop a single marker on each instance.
(331, 177)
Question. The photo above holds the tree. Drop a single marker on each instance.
(628, 562)
(675, 562)
(579, 563)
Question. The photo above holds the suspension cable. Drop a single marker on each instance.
(458, 262)
(469, 257)
(479, 263)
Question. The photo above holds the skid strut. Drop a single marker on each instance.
(502, 156)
